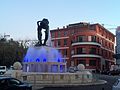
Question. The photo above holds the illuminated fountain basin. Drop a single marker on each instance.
(43, 59)
(43, 66)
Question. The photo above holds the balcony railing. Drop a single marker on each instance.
(86, 55)
(85, 42)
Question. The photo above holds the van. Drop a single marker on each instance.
(2, 69)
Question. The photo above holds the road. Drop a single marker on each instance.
(108, 86)
(110, 80)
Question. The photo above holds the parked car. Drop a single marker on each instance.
(116, 85)
(71, 70)
(114, 72)
(2, 69)
(105, 72)
(9, 83)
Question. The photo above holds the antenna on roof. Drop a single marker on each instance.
(102, 24)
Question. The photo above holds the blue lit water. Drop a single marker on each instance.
(42, 54)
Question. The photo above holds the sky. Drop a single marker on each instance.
(18, 18)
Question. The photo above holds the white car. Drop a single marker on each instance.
(116, 85)
(2, 69)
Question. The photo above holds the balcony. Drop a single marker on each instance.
(86, 43)
(86, 55)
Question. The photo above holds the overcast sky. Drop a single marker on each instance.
(18, 17)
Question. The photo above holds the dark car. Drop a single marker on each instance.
(9, 83)
(71, 70)
(115, 72)
(106, 72)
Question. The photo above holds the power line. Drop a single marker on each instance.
(110, 25)
(111, 28)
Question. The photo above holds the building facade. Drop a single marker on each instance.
(118, 46)
(84, 43)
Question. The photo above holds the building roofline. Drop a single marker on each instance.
(103, 28)
(82, 23)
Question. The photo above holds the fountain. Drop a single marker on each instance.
(42, 57)
(43, 65)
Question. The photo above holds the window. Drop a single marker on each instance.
(89, 38)
(81, 38)
(101, 41)
(112, 46)
(65, 52)
(105, 53)
(81, 62)
(92, 62)
(72, 32)
(102, 52)
(53, 35)
(73, 40)
(99, 51)
(109, 45)
(106, 43)
(65, 41)
(98, 39)
(3, 83)
(78, 50)
(92, 27)
(92, 50)
(58, 42)
(58, 33)
(14, 82)
(81, 50)
(52, 42)
(72, 52)
(93, 38)
(65, 33)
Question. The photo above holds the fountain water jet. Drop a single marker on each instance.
(43, 59)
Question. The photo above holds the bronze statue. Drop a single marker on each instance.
(42, 25)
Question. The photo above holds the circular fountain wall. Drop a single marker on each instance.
(43, 59)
